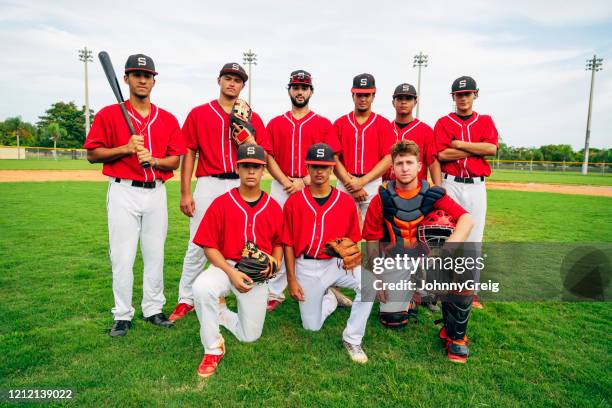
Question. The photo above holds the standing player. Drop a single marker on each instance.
(242, 214)
(361, 141)
(463, 140)
(207, 133)
(393, 218)
(407, 127)
(136, 197)
(289, 137)
(314, 216)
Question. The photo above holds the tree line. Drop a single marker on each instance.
(63, 125)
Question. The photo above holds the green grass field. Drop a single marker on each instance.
(56, 298)
(556, 177)
(48, 164)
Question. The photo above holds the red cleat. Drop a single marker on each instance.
(180, 311)
(476, 304)
(272, 305)
(442, 334)
(457, 351)
(209, 364)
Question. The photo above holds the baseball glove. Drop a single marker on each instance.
(256, 264)
(241, 116)
(345, 249)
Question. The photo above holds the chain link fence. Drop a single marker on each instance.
(550, 166)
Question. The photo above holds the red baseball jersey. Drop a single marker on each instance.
(307, 226)
(420, 133)
(230, 222)
(373, 226)
(207, 131)
(162, 137)
(361, 147)
(289, 140)
(478, 128)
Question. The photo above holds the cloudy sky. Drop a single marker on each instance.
(528, 57)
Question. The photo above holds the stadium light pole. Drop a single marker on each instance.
(420, 60)
(594, 64)
(85, 57)
(249, 58)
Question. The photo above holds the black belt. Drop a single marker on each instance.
(357, 175)
(306, 256)
(143, 184)
(226, 176)
(465, 180)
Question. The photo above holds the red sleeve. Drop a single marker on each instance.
(268, 144)
(260, 132)
(287, 235)
(278, 232)
(429, 150)
(354, 233)
(189, 131)
(442, 139)
(451, 207)
(210, 230)
(490, 134)
(98, 135)
(373, 224)
(387, 138)
(176, 143)
(333, 138)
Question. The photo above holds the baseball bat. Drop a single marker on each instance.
(107, 66)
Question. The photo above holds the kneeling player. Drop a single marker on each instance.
(396, 212)
(316, 215)
(241, 215)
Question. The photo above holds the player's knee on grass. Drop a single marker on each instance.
(312, 324)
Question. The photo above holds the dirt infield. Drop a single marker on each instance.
(96, 175)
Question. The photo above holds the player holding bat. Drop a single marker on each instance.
(136, 197)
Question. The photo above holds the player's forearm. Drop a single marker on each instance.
(168, 163)
(216, 258)
(435, 171)
(289, 263)
(462, 229)
(107, 155)
(450, 154)
(277, 253)
(276, 172)
(187, 171)
(340, 171)
(476, 148)
(378, 170)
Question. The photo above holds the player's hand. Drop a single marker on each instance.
(187, 205)
(381, 295)
(298, 184)
(354, 184)
(133, 143)
(457, 144)
(289, 187)
(144, 156)
(241, 281)
(306, 180)
(360, 195)
(295, 290)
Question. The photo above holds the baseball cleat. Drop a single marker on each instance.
(442, 334)
(120, 328)
(343, 300)
(208, 365)
(160, 320)
(272, 305)
(355, 352)
(180, 311)
(476, 304)
(457, 351)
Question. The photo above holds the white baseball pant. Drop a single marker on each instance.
(278, 284)
(315, 276)
(246, 325)
(206, 190)
(136, 213)
(371, 188)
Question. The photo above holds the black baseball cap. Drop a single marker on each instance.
(300, 77)
(364, 83)
(320, 154)
(405, 89)
(234, 68)
(140, 62)
(251, 153)
(464, 84)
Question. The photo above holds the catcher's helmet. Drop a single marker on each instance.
(435, 229)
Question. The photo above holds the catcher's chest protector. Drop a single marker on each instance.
(403, 215)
